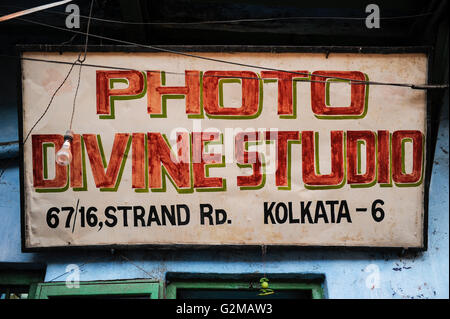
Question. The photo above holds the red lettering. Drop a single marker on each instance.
(384, 174)
(200, 160)
(108, 179)
(353, 177)
(337, 160)
(76, 166)
(282, 138)
(60, 179)
(138, 160)
(397, 157)
(243, 157)
(156, 90)
(318, 103)
(250, 93)
(159, 154)
(104, 91)
(285, 91)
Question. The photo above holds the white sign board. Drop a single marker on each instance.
(177, 150)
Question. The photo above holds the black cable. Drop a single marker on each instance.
(413, 86)
(78, 60)
(51, 100)
(232, 20)
(75, 97)
(81, 65)
(152, 71)
(87, 33)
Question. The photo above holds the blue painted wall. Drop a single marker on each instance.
(347, 273)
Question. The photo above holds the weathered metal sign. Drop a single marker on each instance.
(176, 150)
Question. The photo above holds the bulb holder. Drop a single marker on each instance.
(68, 136)
(64, 155)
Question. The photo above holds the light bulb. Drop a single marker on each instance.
(64, 155)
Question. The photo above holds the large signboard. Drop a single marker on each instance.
(176, 150)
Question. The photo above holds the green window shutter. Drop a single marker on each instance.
(24, 281)
(100, 289)
(315, 288)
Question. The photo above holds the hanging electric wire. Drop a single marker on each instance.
(240, 20)
(64, 155)
(81, 61)
(160, 49)
(50, 102)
